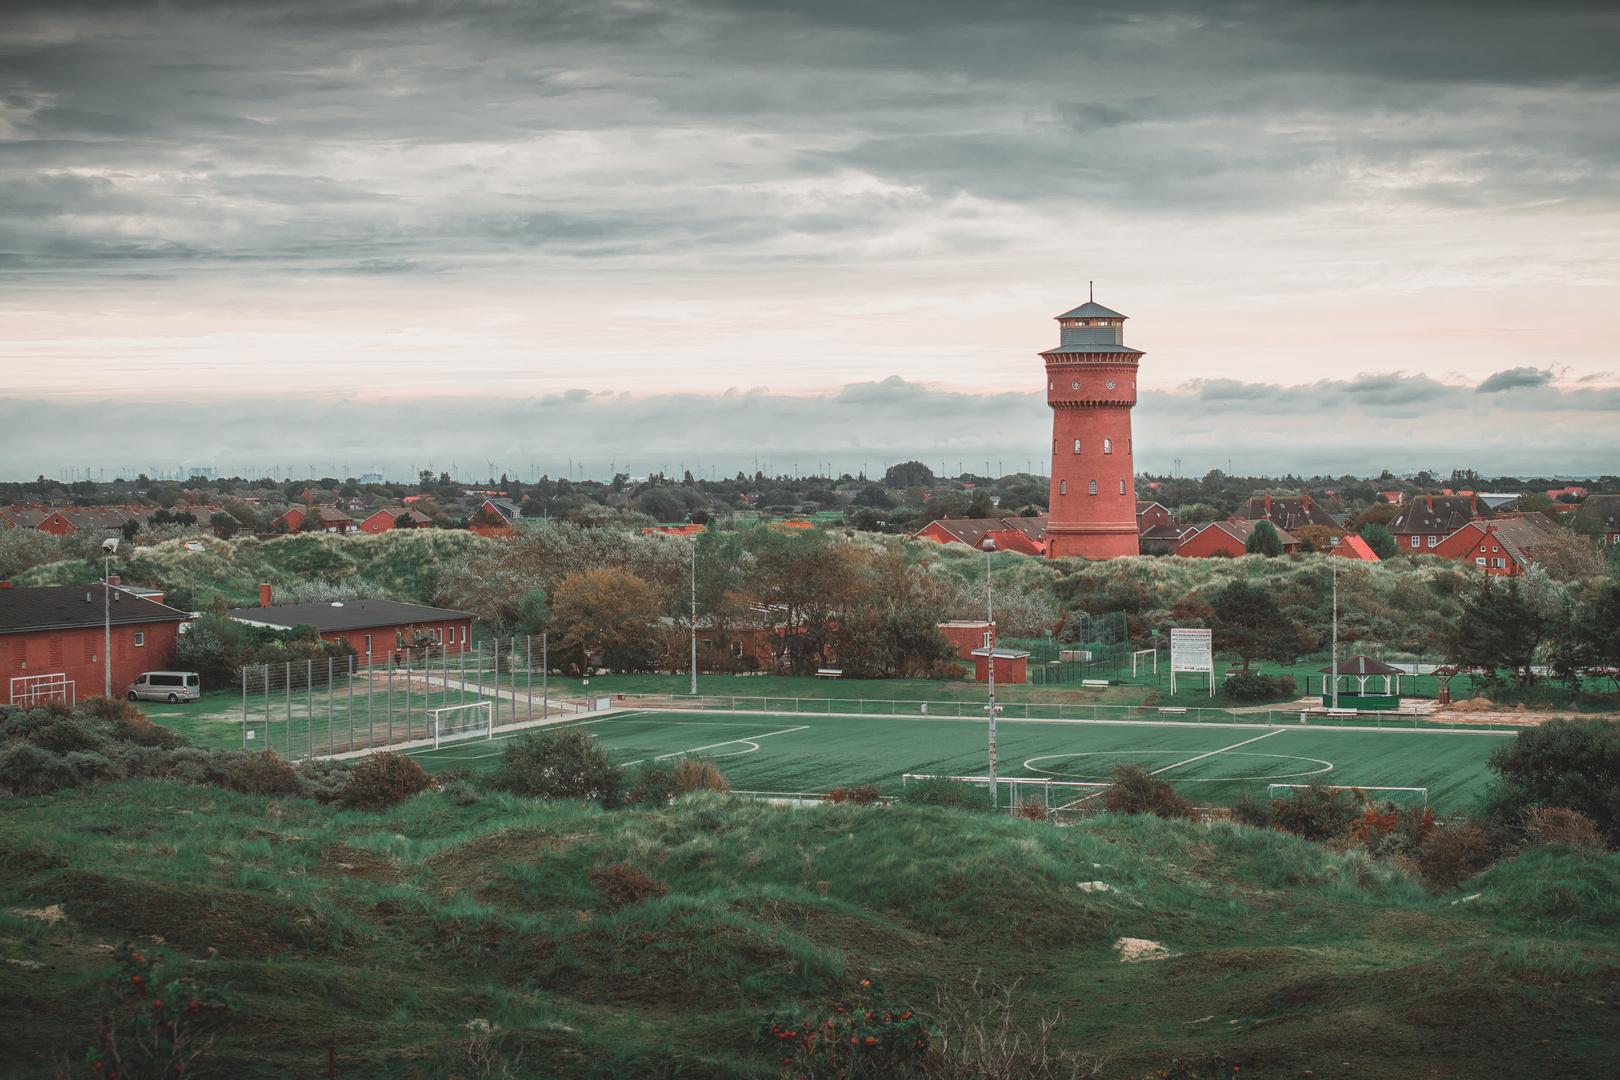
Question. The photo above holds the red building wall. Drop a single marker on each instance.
(391, 638)
(1009, 669)
(1474, 542)
(966, 635)
(1206, 542)
(1093, 495)
(77, 653)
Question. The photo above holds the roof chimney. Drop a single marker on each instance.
(264, 596)
(112, 579)
(5, 584)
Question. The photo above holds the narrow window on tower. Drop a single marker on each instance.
(1077, 446)
(1094, 487)
(1063, 487)
(1108, 446)
(1122, 487)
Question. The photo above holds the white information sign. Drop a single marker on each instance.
(1192, 650)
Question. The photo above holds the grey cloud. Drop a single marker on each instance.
(1519, 378)
(1331, 426)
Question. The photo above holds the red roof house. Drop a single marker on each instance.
(389, 516)
(1215, 537)
(1498, 548)
(56, 636)
(1351, 546)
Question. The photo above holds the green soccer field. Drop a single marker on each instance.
(1209, 764)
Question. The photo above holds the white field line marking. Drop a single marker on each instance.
(749, 741)
(1222, 750)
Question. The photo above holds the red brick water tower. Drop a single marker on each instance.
(1091, 386)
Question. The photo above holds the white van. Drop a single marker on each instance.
(170, 686)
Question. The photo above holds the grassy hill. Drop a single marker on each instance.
(383, 935)
(401, 563)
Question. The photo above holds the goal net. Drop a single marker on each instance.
(474, 721)
(1420, 793)
(40, 689)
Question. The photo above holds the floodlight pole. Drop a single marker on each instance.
(990, 660)
(694, 616)
(1335, 632)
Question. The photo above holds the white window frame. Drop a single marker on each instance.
(1417, 541)
(1108, 446)
(1122, 487)
(1094, 487)
(1077, 446)
(1063, 487)
(140, 638)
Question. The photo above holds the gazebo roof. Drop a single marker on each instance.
(1362, 665)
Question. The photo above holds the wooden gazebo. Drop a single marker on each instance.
(1355, 696)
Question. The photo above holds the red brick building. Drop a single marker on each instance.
(1216, 537)
(388, 518)
(1351, 546)
(59, 630)
(1604, 512)
(376, 628)
(965, 635)
(1288, 512)
(333, 520)
(1011, 665)
(1500, 548)
(1429, 519)
(1091, 388)
(1027, 536)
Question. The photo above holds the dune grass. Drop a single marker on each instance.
(383, 935)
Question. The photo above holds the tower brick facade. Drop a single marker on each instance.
(1091, 386)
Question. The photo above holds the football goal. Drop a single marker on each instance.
(40, 689)
(1422, 792)
(474, 721)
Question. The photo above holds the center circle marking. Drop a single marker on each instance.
(1327, 766)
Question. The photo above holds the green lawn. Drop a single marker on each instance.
(1210, 764)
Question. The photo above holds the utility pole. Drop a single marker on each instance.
(108, 546)
(694, 616)
(990, 660)
(1335, 632)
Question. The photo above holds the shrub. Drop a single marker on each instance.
(1317, 812)
(1286, 686)
(1251, 810)
(625, 884)
(1136, 791)
(1452, 854)
(698, 774)
(1571, 828)
(143, 732)
(462, 792)
(559, 764)
(64, 735)
(110, 708)
(261, 773)
(944, 791)
(1573, 764)
(859, 794)
(1251, 686)
(382, 780)
(26, 768)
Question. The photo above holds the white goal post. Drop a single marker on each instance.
(39, 689)
(1138, 654)
(474, 721)
(1423, 791)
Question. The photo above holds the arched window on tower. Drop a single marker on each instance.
(1063, 487)
(1094, 487)
(1108, 446)
(1122, 487)
(1077, 446)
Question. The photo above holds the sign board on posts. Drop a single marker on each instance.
(1192, 650)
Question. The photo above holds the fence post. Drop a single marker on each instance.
(328, 706)
(349, 664)
(287, 677)
(481, 674)
(545, 679)
(267, 706)
(528, 666)
(390, 699)
(309, 700)
(244, 706)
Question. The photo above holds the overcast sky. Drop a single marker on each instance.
(1349, 236)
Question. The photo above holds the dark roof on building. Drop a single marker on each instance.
(1438, 514)
(347, 614)
(58, 607)
(1288, 512)
(1604, 509)
(1091, 310)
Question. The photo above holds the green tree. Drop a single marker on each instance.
(223, 524)
(1573, 764)
(1378, 538)
(1498, 628)
(611, 610)
(1598, 627)
(533, 614)
(1263, 540)
(909, 474)
(1249, 623)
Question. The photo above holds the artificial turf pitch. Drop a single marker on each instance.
(1208, 763)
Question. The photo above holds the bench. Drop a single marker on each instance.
(1179, 712)
(1093, 682)
(829, 673)
(1342, 712)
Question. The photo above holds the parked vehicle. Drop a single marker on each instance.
(171, 686)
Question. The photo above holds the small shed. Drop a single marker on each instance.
(1011, 665)
(1352, 676)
